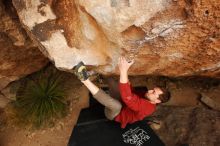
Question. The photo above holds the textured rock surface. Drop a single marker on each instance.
(189, 126)
(166, 37)
(18, 55)
(211, 98)
(3, 101)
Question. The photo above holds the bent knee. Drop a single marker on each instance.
(112, 113)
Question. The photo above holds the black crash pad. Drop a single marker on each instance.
(109, 133)
(93, 129)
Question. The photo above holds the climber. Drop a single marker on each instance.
(132, 106)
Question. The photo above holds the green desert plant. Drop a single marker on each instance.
(41, 99)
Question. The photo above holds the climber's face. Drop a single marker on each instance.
(153, 95)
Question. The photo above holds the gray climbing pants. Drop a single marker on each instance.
(112, 105)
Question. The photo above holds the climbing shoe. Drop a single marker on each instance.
(80, 71)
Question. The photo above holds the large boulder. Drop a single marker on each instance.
(166, 37)
(18, 55)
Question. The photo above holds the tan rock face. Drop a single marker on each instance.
(165, 37)
(18, 55)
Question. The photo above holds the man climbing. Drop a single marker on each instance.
(131, 107)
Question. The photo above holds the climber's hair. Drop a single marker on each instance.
(165, 97)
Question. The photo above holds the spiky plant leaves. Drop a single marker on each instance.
(42, 99)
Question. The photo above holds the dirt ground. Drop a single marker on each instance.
(184, 103)
(11, 135)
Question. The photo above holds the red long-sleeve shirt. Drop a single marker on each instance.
(135, 108)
